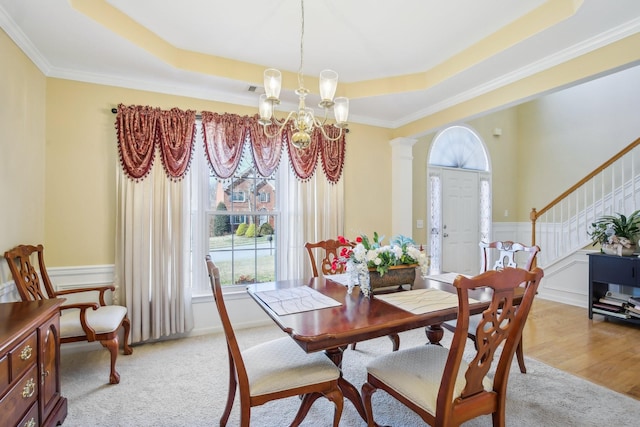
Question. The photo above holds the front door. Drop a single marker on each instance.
(460, 221)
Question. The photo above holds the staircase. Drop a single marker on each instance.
(561, 227)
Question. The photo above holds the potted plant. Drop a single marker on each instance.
(616, 234)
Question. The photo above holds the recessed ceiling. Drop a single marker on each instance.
(398, 61)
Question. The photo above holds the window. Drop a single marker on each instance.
(234, 222)
(238, 219)
(264, 197)
(237, 196)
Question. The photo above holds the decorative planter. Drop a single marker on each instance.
(613, 250)
(396, 276)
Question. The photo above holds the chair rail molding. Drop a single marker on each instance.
(402, 186)
(66, 278)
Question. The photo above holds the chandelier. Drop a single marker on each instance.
(303, 120)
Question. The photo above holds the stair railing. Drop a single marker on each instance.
(560, 228)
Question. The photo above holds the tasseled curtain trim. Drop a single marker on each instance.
(141, 128)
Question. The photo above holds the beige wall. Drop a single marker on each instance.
(566, 135)
(22, 150)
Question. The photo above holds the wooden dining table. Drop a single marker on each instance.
(356, 318)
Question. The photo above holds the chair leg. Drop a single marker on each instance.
(112, 345)
(232, 392)
(520, 357)
(126, 324)
(353, 346)
(338, 400)
(395, 339)
(367, 391)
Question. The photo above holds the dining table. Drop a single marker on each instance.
(319, 314)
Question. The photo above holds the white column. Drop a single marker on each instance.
(402, 186)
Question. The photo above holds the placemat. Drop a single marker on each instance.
(420, 301)
(295, 300)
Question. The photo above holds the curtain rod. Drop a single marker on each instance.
(198, 116)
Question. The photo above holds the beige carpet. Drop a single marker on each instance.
(184, 383)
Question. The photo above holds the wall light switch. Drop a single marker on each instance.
(420, 223)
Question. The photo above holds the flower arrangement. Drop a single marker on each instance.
(363, 253)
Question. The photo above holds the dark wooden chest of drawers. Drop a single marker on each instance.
(29, 364)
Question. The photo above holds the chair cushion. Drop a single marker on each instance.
(416, 373)
(281, 365)
(103, 320)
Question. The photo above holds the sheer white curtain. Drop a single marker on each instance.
(311, 211)
(153, 253)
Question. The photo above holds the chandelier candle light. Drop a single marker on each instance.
(304, 121)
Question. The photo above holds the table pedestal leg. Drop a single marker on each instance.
(434, 333)
(349, 391)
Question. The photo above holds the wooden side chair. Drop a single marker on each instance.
(507, 254)
(79, 321)
(329, 251)
(435, 382)
(273, 370)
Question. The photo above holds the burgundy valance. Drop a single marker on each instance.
(140, 129)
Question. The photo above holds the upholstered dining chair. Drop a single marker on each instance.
(273, 370)
(435, 382)
(90, 320)
(328, 251)
(507, 253)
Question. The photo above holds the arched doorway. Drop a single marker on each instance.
(459, 199)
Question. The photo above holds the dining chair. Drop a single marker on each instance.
(86, 318)
(435, 382)
(328, 251)
(273, 370)
(507, 253)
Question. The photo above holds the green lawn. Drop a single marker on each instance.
(265, 269)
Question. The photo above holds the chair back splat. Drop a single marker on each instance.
(449, 391)
(273, 370)
(90, 320)
(507, 253)
(329, 249)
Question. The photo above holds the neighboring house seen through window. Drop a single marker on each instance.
(236, 224)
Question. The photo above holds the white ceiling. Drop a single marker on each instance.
(360, 39)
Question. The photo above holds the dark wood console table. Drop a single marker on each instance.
(606, 270)
(29, 364)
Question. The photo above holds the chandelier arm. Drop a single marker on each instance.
(280, 124)
(324, 133)
(322, 122)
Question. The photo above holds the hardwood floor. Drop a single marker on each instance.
(603, 352)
